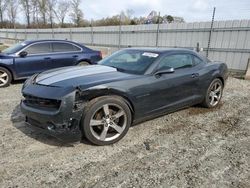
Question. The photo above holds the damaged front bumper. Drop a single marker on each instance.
(61, 119)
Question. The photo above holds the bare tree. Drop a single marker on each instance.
(51, 11)
(129, 13)
(26, 5)
(62, 9)
(42, 5)
(3, 6)
(12, 11)
(35, 11)
(77, 14)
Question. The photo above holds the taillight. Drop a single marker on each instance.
(100, 54)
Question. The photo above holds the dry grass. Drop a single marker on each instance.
(195, 147)
(2, 47)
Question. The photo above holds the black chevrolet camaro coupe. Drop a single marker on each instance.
(100, 102)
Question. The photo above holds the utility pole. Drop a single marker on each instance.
(210, 32)
(92, 33)
(158, 30)
(120, 32)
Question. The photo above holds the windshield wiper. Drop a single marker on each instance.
(185, 66)
(117, 68)
(121, 70)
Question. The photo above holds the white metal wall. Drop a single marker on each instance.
(230, 41)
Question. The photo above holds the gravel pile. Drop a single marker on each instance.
(195, 147)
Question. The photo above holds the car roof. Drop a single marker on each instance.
(46, 40)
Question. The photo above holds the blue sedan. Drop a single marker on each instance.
(29, 57)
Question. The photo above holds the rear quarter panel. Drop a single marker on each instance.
(213, 70)
(90, 55)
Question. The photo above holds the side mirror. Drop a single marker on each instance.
(23, 54)
(164, 71)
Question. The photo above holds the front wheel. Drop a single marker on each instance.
(213, 94)
(106, 120)
(5, 77)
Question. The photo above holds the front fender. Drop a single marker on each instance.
(9, 65)
(98, 91)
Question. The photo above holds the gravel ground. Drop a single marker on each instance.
(195, 147)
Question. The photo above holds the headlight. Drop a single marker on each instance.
(29, 81)
(25, 83)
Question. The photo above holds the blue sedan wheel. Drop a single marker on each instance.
(83, 63)
(5, 77)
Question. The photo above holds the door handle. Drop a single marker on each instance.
(47, 58)
(75, 56)
(194, 75)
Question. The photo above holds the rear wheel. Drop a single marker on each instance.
(214, 94)
(106, 120)
(83, 63)
(5, 77)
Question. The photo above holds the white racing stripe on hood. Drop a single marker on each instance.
(69, 73)
(54, 72)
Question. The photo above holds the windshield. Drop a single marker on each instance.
(130, 61)
(15, 48)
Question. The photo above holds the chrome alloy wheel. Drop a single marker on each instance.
(4, 78)
(108, 122)
(215, 93)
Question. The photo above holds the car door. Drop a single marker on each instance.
(170, 91)
(36, 60)
(202, 74)
(64, 54)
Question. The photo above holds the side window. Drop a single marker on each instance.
(176, 61)
(39, 48)
(196, 61)
(64, 47)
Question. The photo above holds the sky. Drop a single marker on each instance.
(190, 10)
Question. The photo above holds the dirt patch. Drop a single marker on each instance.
(195, 147)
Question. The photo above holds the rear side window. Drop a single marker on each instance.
(176, 61)
(64, 47)
(39, 48)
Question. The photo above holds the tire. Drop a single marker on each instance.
(213, 94)
(106, 120)
(83, 63)
(5, 77)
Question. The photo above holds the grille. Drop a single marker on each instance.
(34, 123)
(38, 102)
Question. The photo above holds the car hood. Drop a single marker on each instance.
(78, 76)
(5, 56)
